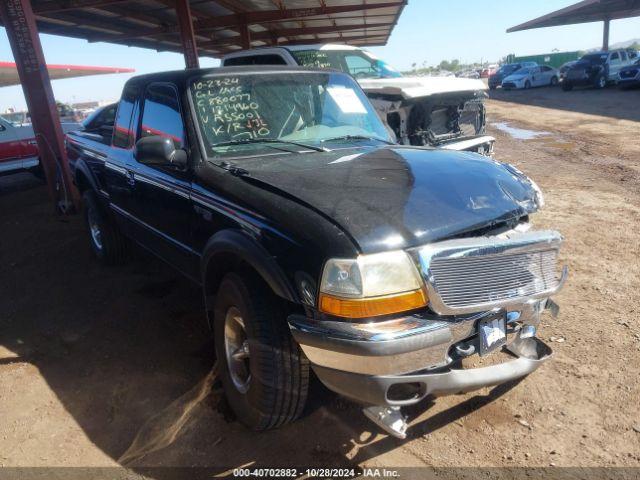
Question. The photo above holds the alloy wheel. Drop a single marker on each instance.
(236, 347)
(94, 229)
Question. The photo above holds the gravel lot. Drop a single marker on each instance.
(100, 367)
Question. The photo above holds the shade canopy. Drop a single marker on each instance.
(9, 72)
(584, 12)
(221, 26)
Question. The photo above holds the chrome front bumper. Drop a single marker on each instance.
(365, 362)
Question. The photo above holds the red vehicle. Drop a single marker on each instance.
(488, 71)
(18, 146)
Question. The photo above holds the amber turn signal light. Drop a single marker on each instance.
(372, 307)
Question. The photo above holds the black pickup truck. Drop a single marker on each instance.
(320, 244)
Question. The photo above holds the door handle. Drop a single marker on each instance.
(131, 179)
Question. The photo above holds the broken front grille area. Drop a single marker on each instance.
(479, 274)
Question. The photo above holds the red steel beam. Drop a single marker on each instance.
(187, 34)
(63, 6)
(245, 36)
(20, 24)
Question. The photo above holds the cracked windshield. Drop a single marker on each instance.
(242, 113)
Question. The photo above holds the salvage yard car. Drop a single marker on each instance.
(19, 148)
(598, 68)
(436, 111)
(527, 77)
(318, 242)
(630, 76)
(504, 71)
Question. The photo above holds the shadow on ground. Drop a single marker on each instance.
(610, 102)
(126, 352)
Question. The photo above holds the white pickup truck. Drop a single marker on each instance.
(443, 112)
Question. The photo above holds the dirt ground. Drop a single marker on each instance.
(107, 367)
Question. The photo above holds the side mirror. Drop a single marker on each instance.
(160, 151)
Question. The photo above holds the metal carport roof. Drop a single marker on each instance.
(220, 26)
(584, 12)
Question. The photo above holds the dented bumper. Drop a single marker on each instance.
(401, 361)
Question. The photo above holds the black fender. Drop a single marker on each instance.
(80, 167)
(246, 248)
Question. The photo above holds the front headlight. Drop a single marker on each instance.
(371, 285)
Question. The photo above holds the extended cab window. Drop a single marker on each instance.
(161, 114)
(360, 66)
(123, 134)
(270, 59)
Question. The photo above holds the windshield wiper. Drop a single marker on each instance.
(355, 137)
(247, 141)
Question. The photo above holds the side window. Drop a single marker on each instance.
(632, 54)
(123, 134)
(161, 114)
(271, 59)
(615, 57)
(237, 61)
(105, 118)
(358, 65)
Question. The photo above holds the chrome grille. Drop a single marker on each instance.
(475, 274)
(468, 281)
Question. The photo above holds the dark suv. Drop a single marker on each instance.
(318, 242)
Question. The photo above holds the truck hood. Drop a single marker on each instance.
(399, 197)
(416, 87)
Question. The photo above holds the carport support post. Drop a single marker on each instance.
(245, 36)
(187, 34)
(20, 24)
(605, 35)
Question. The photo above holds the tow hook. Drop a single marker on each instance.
(390, 419)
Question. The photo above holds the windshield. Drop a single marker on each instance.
(358, 63)
(596, 58)
(508, 69)
(239, 114)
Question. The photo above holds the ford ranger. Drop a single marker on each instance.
(444, 112)
(318, 242)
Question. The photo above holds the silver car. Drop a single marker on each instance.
(531, 77)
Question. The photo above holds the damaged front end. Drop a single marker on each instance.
(453, 118)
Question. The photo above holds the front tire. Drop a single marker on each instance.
(264, 373)
(527, 85)
(554, 81)
(601, 82)
(107, 242)
(566, 86)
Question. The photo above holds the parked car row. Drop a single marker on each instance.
(597, 69)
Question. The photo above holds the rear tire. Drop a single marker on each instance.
(107, 242)
(566, 86)
(264, 373)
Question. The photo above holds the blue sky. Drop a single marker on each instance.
(428, 31)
